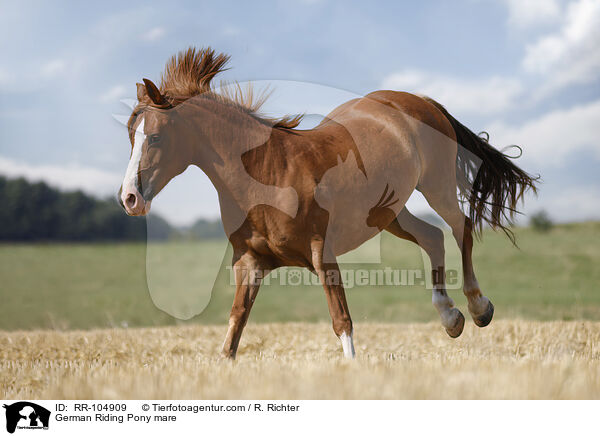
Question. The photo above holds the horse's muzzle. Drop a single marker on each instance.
(133, 202)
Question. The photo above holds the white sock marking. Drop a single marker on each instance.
(443, 303)
(347, 345)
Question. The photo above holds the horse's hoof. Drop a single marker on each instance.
(485, 318)
(458, 325)
(226, 356)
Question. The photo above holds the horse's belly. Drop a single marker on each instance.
(348, 238)
(359, 207)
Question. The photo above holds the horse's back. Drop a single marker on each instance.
(391, 107)
(416, 107)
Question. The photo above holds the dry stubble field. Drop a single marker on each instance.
(508, 359)
(61, 304)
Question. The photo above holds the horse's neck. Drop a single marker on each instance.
(221, 135)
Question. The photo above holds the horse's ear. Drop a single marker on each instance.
(153, 92)
(141, 91)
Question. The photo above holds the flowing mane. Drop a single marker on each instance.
(189, 74)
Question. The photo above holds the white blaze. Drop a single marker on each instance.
(129, 182)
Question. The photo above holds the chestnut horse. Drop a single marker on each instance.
(292, 197)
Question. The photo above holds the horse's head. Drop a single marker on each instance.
(154, 160)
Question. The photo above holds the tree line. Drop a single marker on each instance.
(38, 212)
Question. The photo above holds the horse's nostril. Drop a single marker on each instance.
(131, 200)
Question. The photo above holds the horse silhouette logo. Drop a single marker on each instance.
(26, 415)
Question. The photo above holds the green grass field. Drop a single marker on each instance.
(551, 276)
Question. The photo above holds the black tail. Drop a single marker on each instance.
(487, 180)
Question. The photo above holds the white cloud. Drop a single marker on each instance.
(28, 76)
(570, 55)
(547, 140)
(154, 34)
(572, 203)
(580, 202)
(566, 56)
(524, 14)
(53, 68)
(113, 94)
(69, 177)
(480, 96)
(173, 202)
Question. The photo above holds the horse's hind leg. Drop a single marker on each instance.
(440, 193)
(480, 307)
(431, 239)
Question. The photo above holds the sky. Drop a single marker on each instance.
(526, 71)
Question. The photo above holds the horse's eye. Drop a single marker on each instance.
(153, 139)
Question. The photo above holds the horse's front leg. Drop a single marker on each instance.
(248, 276)
(331, 278)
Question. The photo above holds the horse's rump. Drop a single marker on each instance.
(487, 180)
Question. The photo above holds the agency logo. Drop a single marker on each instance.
(26, 415)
